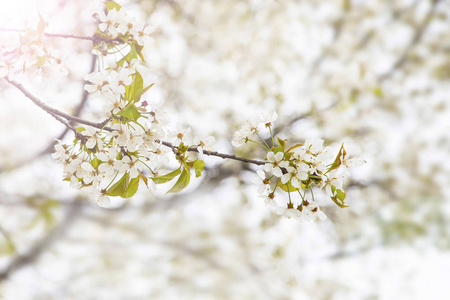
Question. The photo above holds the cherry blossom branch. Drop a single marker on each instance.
(215, 153)
(57, 114)
(94, 38)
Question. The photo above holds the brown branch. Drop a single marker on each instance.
(76, 113)
(217, 154)
(53, 111)
(102, 125)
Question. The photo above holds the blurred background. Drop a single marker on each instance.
(374, 75)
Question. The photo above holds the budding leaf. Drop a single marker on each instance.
(280, 147)
(130, 112)
(199, 165)
(167, 177)
(337, 162)
(181, 183)
(120, 186)
(111, 5)
(81, 129)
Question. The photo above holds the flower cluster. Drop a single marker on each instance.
(111, 159)
(250, 128)
(132, 145)
(31, 54)
(116, 25)
(296, 170)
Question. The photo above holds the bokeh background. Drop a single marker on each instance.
(374, 75)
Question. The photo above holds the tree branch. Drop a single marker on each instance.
(418, 34)
(57, 114)
(95, 38)
(40, 246)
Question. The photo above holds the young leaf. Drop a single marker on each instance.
(142, 92)
(199, 165)
(181, 183)
(111, 5)
(139, 51)
(339, 198)
(288, 187)
(144, 179)
(280, 147)
(130, 112)
(135, 87)
(132, 188)
(337, 162)
(167, 177)
(120, 186)
(95, 162)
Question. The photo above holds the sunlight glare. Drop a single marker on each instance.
(17, 13)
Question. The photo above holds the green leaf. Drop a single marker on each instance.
(181, 183)
(293, 147)
(139, 51)
(144, 179)
(111, 5)
(120, 186)
(280, 147)
(132, 188)
(288, 187)
(142, 92)
(129, 57)
(166, 178)
(339, 198)
(199, 165)
(340, 194)
(130, 112)
(95, 162)
(81, 129)
(135, 87)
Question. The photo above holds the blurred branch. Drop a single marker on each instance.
(417, 37)
(33, 254)
(337, 30)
